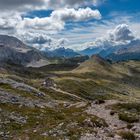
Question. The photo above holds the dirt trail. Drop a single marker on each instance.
(67, 93)
(114, 124)
(112, 120)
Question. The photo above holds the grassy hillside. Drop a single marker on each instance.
(42, 103)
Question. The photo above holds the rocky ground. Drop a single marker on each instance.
(40, 105)
(115, 125)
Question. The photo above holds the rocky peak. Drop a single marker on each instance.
(14, 51)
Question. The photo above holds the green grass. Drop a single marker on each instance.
(128, 117)
(128, 112)
(16, 91)
(129, 106)
(127, 135)
(44, 120)
(133, 107)
(89, 90)
(57, 95)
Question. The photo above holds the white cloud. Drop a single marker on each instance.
(46, 24)
(52, 24)
(14, 24)
(75, 15)
(9, 21)
(23, 5)
(80, 35)
(73, 3)
(57, 19)
(121, 35)
(43, 41)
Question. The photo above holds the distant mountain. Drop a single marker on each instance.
(14, 51)
(95, 63)
(62, 52)
(125, 53)
(90, 51)
(116, 53)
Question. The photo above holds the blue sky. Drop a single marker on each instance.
(52, 20)
(106, 8)
(114, 12)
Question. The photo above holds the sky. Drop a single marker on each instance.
(75, 24)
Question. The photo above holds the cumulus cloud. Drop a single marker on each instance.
(57, 19)
(9, 21)
(46, 24)
(76, 15)
(121, 35)
(42, 41)
(19, 2)
(21, 5)
(73, 3)
(39, 29)
(54, 23)
(16, 25)
(45, 4)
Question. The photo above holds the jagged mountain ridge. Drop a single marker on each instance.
(12, 50)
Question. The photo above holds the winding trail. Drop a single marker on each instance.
(101, 111)
(67, 93)
(114, 124)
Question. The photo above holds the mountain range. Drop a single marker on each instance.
(14, 51)
(66, 97)
(116, 53)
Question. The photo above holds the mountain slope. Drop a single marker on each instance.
(14, 51)
(37, 104)
(95, 63)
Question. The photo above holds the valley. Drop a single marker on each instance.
(95, 100)
(69, 70)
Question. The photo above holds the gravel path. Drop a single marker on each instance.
(101, 111)
(67, 93)
(112, 120)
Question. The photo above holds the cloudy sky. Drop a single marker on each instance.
(76, 24)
